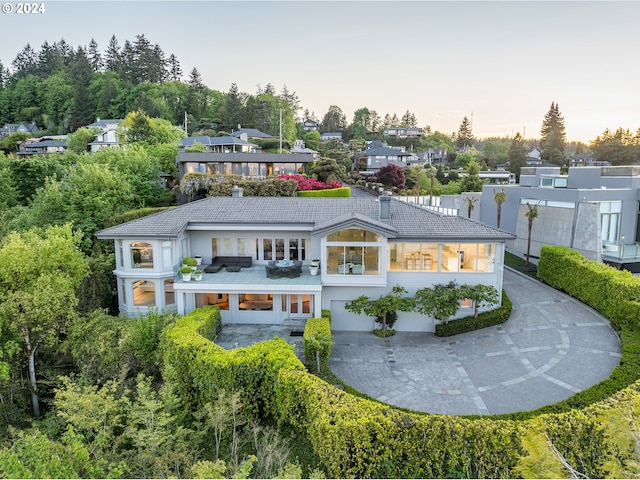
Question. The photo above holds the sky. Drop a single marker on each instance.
(499, 63)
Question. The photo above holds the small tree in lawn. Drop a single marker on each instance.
(383, 308)
(531, 214)
(499, 196)
(480, 295)
(441, 302)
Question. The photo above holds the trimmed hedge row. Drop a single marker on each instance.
(330, 192)
(353, 437)
(133, 215)
(483, 320)
(317, 340)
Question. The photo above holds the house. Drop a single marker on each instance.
(404, 132)
(310, 125)
(42, 146)
(252, 165)
(105, 139)
(331, 136)
(28, 128)
(498, 177)
(364, 246)
(534, 157)
(383, 156)
(105, 124)
(225, 144)
(591, 209)
(299, 147)
(246, 133)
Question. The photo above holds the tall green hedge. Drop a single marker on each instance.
(317, 339)
(353, 437)
(329, 192)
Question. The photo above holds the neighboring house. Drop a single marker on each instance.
(28, 128)
(592, 209)
(226, 144)
(106, 124)
(42, 146)
(403, 132)
(106, 139)
(498, 177)
(383, 156)
(586, 160)
(365, 246)
(331, 136)
(310, 125)
(299, 147)
(253, 165)
(246, 133)
(534, 157)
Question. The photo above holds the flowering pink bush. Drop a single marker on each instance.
(305, 183)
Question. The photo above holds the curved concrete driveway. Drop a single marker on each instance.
(552, 347)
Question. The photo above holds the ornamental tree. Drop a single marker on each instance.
(479, 294)
(392, 176)
(383, 308)
(442, 301)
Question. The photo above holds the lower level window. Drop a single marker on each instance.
(144, 293)
(255, 301)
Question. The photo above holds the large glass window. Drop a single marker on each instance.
(221, 300)
(141, 255)
(167, 261)
(353, 251)
(255, 301)
(144, 293)
(610, 217)
(424, 257)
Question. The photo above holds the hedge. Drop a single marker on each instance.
(353, 437)
(317, 341)
(330, 192)
(132, 215)
(483, 320)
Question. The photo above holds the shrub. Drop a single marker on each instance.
(333, 193)
(483, 320)
(317, 342)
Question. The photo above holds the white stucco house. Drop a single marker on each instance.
(365, 246)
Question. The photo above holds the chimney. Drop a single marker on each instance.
(385, 207)
(236, 192)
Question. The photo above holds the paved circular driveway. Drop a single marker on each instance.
(550, 348)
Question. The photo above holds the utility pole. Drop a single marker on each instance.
(186, 130)
(280, 150)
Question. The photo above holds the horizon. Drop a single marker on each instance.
(493, 62)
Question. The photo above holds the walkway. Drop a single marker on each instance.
(550, 348)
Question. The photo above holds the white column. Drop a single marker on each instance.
(317, 305)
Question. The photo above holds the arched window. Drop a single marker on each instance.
(141, 255)
(353, 251)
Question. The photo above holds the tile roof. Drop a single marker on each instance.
(251, 133)
(387, 151)
(408, 220)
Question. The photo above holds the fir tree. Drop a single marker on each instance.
(112, 55)
(173, 68)
(95, 58)
(517, 155)
(81, 72)
(464, 137)
(553, 136)
(232, 109)
(25, 62)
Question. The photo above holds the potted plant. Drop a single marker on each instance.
(191, 262)
(197, 275)
(186, 272)
(315, 262)
(198, 259)
(313, 269)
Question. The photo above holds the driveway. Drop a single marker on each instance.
(552, 347)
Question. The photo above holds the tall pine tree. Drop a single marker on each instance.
(464, 137)
(95, 58)
(553, 136)
(112, 55)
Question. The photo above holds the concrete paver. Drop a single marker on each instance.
(552, 347)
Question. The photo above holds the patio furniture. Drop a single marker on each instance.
(218, 263)
(283, 268)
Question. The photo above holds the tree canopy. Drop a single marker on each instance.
(553, 136)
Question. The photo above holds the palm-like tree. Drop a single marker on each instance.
(499, 196)
(470, 204)
(531, 215)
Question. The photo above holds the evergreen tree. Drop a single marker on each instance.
(112, 55)
(472, 182)
(464, 137)
(408, 120)
(66, 51)
(517, 155)
(95, 58)
(127, 63)
(173, 68)
(83, 109)
(293, 100)
(196, 95)
(553, 136)
(334, 120)
(25, 62)
(269, 89)
(49, 60)
(232, 109)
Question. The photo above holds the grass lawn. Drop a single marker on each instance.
(517, 263)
